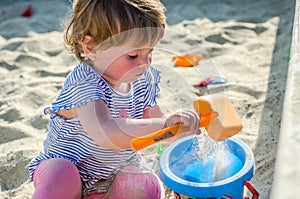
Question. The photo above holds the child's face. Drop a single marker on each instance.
(123, 63)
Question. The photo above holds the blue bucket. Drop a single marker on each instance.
(230, 187)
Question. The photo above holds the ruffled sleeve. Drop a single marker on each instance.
(83, 84)
(152, 78)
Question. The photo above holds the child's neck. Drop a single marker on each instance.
(121, 87)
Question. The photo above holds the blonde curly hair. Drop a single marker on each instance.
(103, 19)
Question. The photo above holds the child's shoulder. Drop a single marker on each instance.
(81, 73)
(153, 69)
(152, 74)
(82, 70)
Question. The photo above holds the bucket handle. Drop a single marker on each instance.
(250, 187)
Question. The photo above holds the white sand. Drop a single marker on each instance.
(246, 42)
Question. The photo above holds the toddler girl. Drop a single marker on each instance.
(107, 100)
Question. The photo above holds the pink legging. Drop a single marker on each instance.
(59, 179)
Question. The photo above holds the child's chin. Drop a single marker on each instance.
(134, 78)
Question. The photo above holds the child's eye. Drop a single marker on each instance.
(132, 56)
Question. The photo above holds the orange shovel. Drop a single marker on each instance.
(217, 116)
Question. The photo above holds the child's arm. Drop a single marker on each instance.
(110, 132)
(153, 112)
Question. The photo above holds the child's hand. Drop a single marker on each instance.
(189, 120)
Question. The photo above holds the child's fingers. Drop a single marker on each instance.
(176, 118)
(194, 120)
(185, 117)
(188, 118)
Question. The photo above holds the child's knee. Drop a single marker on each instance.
(57, 177)
(137, 185)
(152, 185)
(55, 169)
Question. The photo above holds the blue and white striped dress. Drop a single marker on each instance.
(67, 139)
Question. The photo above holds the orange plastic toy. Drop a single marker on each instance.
(217, 116)
(186, 60)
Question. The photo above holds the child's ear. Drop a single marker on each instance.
(86, 47)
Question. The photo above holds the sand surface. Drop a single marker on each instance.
(246, 42)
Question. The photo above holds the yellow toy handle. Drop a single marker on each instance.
(168, 132)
